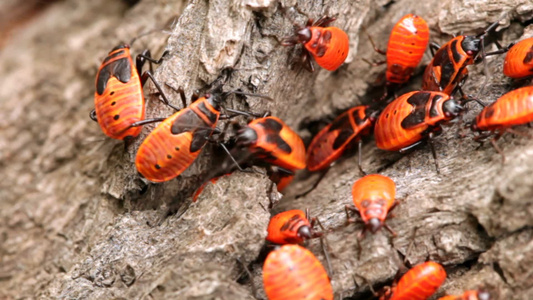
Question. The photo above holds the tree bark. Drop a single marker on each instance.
(78, 221)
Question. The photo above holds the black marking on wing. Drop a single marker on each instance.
(280, 143)
(433, 111)
(418, 115)
(529, 56)
(357, 118)
(199, 139)
(188, 120)
(209, 114)
(340, 122)
(456, 55)
(447, 71)
(345, 134)
(111, 56)
(271, 125)
(120, 68)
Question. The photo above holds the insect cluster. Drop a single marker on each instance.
(399, 123)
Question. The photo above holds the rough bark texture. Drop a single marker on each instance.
(77, 221)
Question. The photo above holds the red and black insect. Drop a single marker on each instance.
(512, 109)
(373, 197)
(419, 283)
(447, 71)
(412, 118)
(119, 100)
(470, 295)
(291, 227)
(519, 60)
(293, 272)
(407, 43)
(177, 141)
(270, 140)
(266, 142)
(328, 46)
(329, 144)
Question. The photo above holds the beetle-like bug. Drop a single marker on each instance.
(293, 272)
(328, 46)
(374, 197)
(329, 144)
(413, 117)
(447, 71)
(419, 283)
(291, 227)
(267, 142)
(407, 43)
(269, 139)
(512, 109)
(119, 100)
(519, 60)
(178, 140)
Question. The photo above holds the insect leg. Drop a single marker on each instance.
(146, 121)
(148, 74)
(92, 115)
(434, 47)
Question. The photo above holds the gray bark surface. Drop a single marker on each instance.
(77, 221)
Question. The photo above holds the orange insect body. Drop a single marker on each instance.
(419, 283)
(289, 227)
(469, 295)
(329, 46)
(293, 272)
(272, 141)
(374, 195)
(411, 117)
(177, 141)
(329, 144)
(448, 69)
(119, 100)
(513, 108)
(407, 43)
(519, 60)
